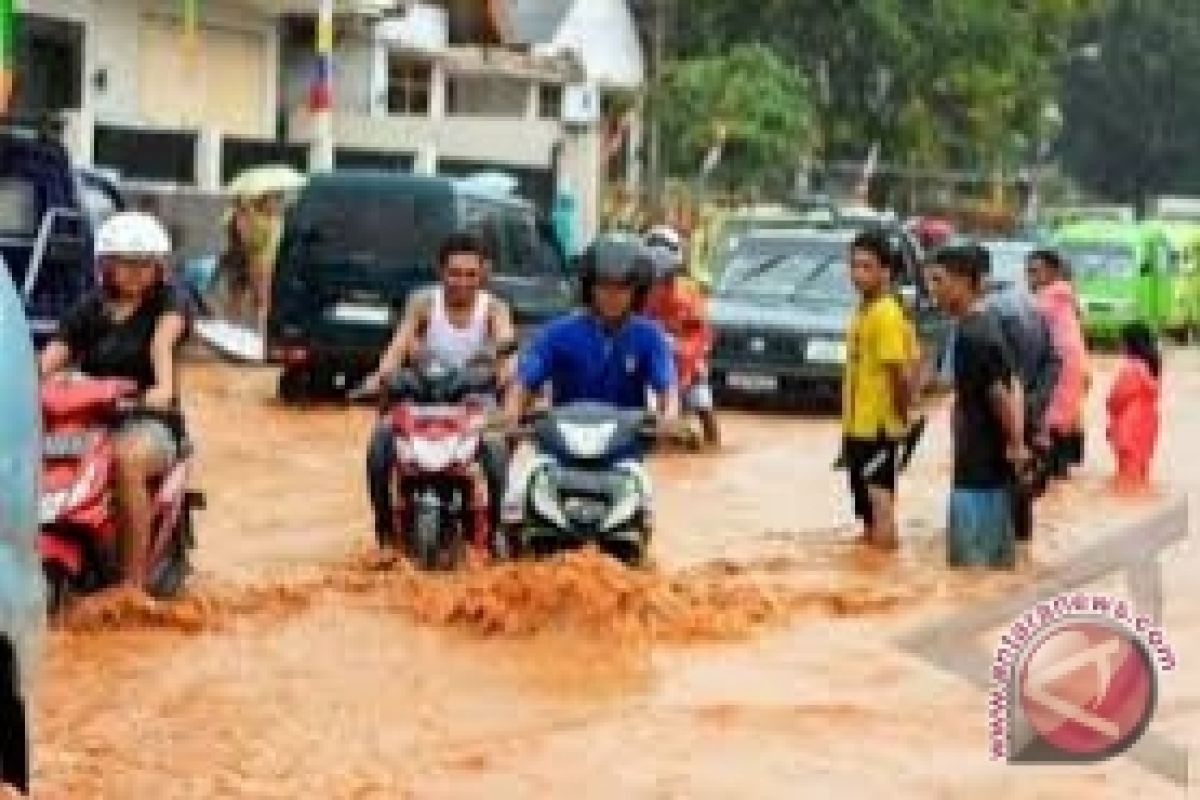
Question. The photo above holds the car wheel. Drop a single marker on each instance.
(14, 736)
(295, 385)
(58, 588)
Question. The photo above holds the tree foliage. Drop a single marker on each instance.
(1132, 115)
(748, 99)
(937, 83)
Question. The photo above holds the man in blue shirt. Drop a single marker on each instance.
(607, 352)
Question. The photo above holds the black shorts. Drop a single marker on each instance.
(870, 463)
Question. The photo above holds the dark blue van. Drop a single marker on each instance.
(45, 225)
(356, 244)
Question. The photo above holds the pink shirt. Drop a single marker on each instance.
(1057, 303)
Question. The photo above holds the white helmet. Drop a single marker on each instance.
(666, 237)
(665, 243)
(133, 233)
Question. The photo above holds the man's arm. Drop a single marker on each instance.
(664, 380)
(54, 358)
(404, 341)
(1004, 391)
(902, 385)
(167, 334)
(1005, 397)
(891, 343)
(533, 369)
(503, 335)
(667, 403)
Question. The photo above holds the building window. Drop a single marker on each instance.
(487, 96)
(550, 101)
(409, 87)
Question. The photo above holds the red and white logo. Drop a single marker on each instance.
(1075, 680)
(1087, 688)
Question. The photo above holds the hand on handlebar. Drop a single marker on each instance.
(371, 386)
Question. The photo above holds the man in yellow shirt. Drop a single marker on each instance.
(876, 387)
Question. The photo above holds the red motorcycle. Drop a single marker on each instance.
(78, 535)
(438, 414)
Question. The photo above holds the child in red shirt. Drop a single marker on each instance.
(1133, 407)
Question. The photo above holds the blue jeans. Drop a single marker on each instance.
(980, 528)
(381, 456)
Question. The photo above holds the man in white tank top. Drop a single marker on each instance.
(454, 321)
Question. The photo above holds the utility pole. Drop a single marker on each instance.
(658, 52)
(321, 93)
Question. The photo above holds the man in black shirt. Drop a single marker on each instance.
(989, 446)
(1026, 333)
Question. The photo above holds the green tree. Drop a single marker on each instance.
(935, 82)
(748, 100)
(1131, 115)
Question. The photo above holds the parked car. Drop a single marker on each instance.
(1010, 259)
(1123, 271)
(45, 227)
(22, 602)
(1183, 314)
(781, 308)
(356, 244)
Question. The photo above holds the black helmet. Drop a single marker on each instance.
(618, 258)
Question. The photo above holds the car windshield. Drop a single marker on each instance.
(794, 267)
(1100, 259)
(1008, 263)
(383, 230)
(18, 208)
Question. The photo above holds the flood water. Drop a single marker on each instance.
(757, 657)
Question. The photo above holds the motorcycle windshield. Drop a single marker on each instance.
(592, 434)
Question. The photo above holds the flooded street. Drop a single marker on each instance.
(758, 658)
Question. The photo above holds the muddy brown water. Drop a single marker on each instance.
(756, 658)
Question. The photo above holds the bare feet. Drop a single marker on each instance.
(386, 557)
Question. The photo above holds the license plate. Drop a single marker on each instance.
(65, 445)
(359, 314)
(827, 351)
(750, 382)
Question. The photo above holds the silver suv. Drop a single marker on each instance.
(22, 601)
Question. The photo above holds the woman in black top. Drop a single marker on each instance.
(130, 329)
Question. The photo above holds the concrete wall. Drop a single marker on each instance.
(489, 95)
(111, 47)
(514, 141)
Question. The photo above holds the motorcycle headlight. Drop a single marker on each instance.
(544, 497)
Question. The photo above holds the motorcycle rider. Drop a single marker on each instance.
(455, 321)
(607, 352)
(678, 305)
(131, 328)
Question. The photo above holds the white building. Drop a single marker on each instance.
(454, 86)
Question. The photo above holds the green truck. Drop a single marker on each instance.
(1125, 271)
